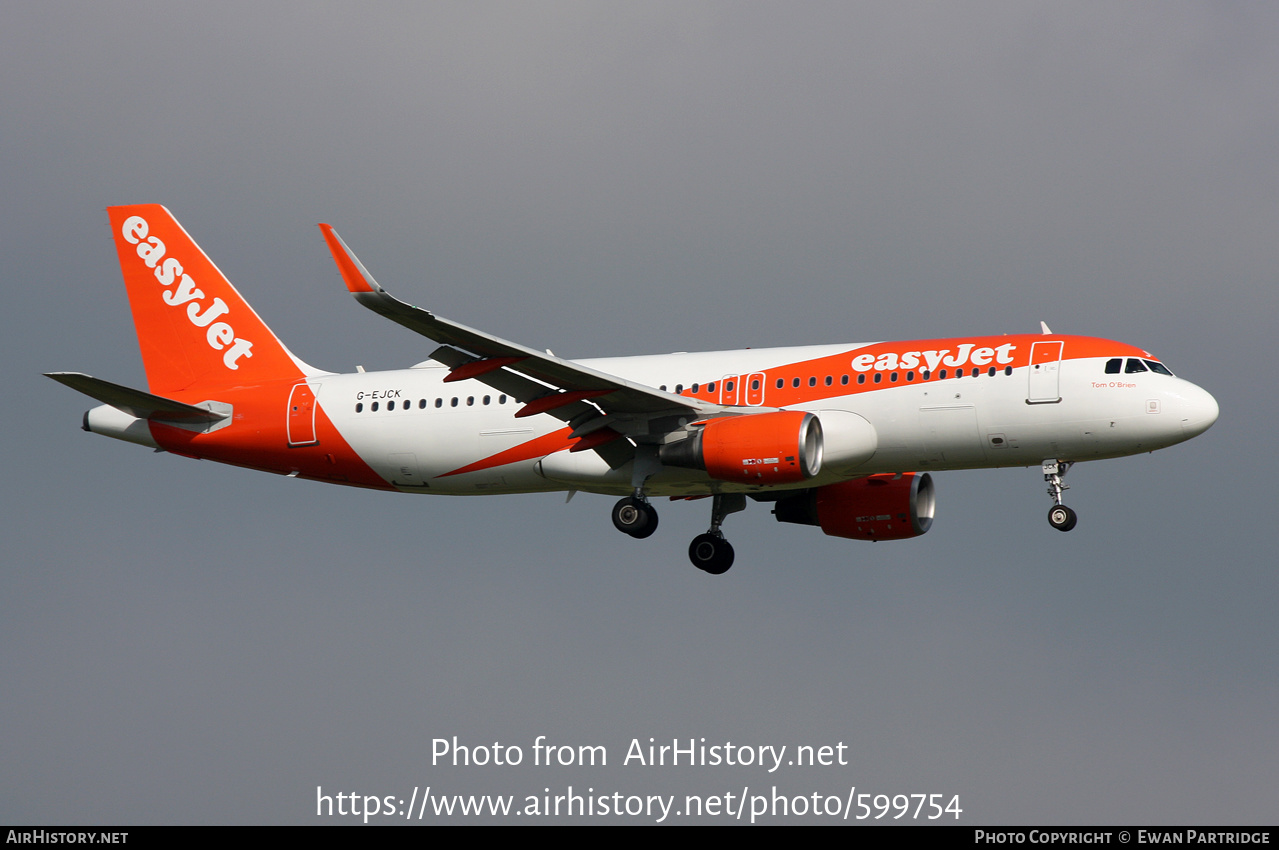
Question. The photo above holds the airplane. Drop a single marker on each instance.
(842, 437)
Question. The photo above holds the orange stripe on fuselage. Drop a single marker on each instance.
(907, 360)
(257, 438)
(537, 447)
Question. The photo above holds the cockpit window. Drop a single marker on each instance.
(1113, 365)
(1156, 366)
(1134, 365)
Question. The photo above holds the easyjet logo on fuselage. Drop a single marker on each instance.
(168, 271)
(964, 354)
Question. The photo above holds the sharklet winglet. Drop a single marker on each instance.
(354, 274)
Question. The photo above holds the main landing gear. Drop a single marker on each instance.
(709, 552)
(635, 516)
(1060, 517)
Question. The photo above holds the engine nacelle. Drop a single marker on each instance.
(880, 507)
(782, 447)
(848, 440)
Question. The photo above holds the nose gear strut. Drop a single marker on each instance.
(1060, 517)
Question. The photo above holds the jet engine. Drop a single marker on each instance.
(782, 447)
(879, 507)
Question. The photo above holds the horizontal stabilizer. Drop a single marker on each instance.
(137, 403)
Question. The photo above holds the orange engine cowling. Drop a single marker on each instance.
(880, 507)
(761, 448)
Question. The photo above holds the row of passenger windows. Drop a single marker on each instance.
(423, 404)
(1112, 367)
(1133, 366)
(844, 380)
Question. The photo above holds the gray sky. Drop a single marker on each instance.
(182, 642)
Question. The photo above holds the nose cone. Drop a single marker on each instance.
(1197, 409)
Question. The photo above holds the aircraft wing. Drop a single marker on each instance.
(544, 382)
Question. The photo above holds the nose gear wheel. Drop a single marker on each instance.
(1062, 518)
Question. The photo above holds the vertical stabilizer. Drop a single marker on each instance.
(195, 330)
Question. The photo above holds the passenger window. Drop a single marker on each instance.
(374, 407)
(710, 388)
(925, 374)
(910, 376)
(795, 383)
(941, 375)
(1133, 366)
(861, 379)
(1113, 364)
(487, 399)
(679, 389)
(879, 376)
(439, 402)
(453, 403)
(1008, 370)
(470, 401)
(501, 399)
(829, 380)
(421, 405)
(991, 372)
(893, 377)
(359, 408)
(812, 381)
(781, 382)
(755, 384)
(844, 380)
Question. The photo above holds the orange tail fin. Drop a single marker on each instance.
(195, 330)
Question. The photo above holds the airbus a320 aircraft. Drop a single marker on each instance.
(842, 437)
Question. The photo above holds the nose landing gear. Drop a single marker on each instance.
(1060, 517)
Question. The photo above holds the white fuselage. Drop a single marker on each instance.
(413, 429)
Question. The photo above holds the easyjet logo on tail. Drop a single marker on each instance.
(168, 270)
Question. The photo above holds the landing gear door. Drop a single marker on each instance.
(1045, 373)
(300, 423)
